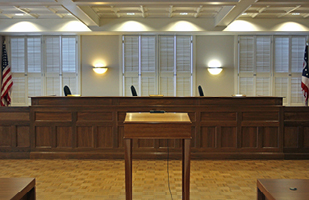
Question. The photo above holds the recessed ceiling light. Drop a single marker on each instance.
(183, 13)
(295, 13)
(244, 14)
(130, 13)
(19, 14)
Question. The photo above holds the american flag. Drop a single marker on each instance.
(305, 77)
(7, 82)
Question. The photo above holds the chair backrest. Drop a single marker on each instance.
(66, 90)
(200, 91)
(133, 91)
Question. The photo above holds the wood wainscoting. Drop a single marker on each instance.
(92, 127)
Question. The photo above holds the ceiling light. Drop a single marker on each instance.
(183, 13)
(130, 13)
(19, 14)
(295, 13)
(244, 14)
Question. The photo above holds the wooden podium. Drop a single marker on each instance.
(158, 126)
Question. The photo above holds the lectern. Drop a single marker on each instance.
(158, 126)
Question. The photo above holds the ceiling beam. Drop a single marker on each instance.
(288, 12)
(227, 15)
(54, 11)
(198, 11)
(26, 11)
(83, 13)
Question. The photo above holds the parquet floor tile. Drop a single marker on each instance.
(104, 179)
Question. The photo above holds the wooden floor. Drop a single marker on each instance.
(104, 179)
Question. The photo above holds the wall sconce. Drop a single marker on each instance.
(214, 67)
(99, 68)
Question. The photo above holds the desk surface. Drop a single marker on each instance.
(279, 189)
(15, 188)
(157, 117)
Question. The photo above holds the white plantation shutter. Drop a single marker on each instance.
(131, 54)
(69, 61)
(34, 87)
(168, 73)
(53, 86)
(131, 81)
(19, 90)
(263, 48)
(148, 53)
(246, 54)
(18, 55)
(72, 83)
(167, 86)
(297, 94)
(43, 68)
(175, 65)
(254, 65)
(183, 54)
(34, 54)
(246, 86)
(298, 49)
(52, 52)
(148, 86)
(263, 86)
(183, 86)
(281, 54)
(166, 46)
(281, 87)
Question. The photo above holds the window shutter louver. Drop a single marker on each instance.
(148, 52)
(34, 54)
(166, 47)
(131, 54)
(52, 86)
(167, 86)
(297, 94)
(281, 54)
(263, 47)
(281, 87)
(52, 54)
(18, 55)
(246, 54)
(298, 49)
(68, 54)
(246, 86)
(18, 91)
(262, 86)
(183, 54)
(183, 85)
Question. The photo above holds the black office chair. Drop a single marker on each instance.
(133, 91)
(200, 91)
(66, 90)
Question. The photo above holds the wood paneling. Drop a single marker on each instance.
(270, 137)
(53, 116)
(5, 136)
(92, 127)
(23, 136)
(105, 137)
(64, 137)
(228, 137)
(249, 137)
(85, 137)
(43, 137)
(94, 116)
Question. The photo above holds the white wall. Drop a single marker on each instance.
(108, 49)
(220, 48)
(100, 49)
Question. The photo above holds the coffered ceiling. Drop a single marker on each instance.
(92, 12)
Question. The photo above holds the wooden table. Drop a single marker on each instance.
(17, 188)
(279, 189)
(158, 126)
